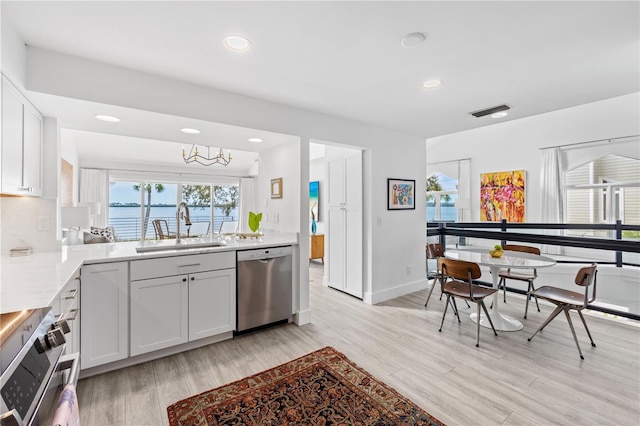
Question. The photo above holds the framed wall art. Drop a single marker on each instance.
(502, 196)
(314, 201)
(276, 188)
(401, 194)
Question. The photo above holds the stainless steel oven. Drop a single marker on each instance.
(33, 367)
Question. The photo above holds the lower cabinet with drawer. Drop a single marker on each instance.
(195, 301)
(66, 307)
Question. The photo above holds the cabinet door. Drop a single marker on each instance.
(104, 298)
(353, 252)
(159, 317)
(11, 140)
(336, 183)
(336, 253)
(32, 149)
(353, 182)
(212, 303)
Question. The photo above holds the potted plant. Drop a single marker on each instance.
(254, 221)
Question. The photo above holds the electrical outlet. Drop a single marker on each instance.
(42, 223)
(408, 270)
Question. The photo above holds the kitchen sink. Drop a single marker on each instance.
(181, 246)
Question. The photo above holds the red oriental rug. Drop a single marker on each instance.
(320, 388)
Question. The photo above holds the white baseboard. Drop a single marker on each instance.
(377, 297)
(302, 318)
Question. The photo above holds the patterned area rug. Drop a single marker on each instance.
(320, 388)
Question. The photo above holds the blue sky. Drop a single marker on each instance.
(448, 183)
(123, 192)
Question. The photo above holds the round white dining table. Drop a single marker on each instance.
(510, 259)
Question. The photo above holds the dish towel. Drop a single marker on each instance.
(67, 413)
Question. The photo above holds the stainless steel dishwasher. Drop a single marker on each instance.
(264, 287)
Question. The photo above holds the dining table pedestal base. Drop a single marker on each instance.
(500, 322)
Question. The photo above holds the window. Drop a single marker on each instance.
(132, 210)
(603, 191)
(442, 194)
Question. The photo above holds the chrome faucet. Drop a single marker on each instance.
(187, 220)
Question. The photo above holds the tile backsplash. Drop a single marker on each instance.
(19, 217)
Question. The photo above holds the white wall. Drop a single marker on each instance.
(515, 145)
(280, 214)
(397, 239)
(19, 219)
(13, 57)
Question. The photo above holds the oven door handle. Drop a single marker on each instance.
(70, 362)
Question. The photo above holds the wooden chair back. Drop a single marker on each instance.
(435, 251)
(158, 225)
(524, 249)
(460, 269)
(586, 277)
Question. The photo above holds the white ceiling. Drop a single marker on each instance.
(345, 58)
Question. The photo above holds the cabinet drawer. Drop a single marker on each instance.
(168, 266)
(69, 294)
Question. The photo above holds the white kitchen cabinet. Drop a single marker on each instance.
(159, 313)
(104, 318)
(66, 306)
(212, 303)
(345, 225)
(198, 303)
(22, 127)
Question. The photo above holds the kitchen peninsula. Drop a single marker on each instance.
(114, 281)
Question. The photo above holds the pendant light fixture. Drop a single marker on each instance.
(206, 160)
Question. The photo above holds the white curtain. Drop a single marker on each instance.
(247, 202)
(94, 188)
(464, 190)
(552, 196)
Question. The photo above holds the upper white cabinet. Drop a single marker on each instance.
(21, 170)
(345, 225)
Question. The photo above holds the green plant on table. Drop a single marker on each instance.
(254, 221)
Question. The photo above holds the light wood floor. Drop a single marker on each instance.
(506, 381)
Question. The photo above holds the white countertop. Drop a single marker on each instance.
(35, 280)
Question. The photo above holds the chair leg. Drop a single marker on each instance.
(446, 305)
(435, 281)
(503, 282)
(554, 314)
(478, 326)
(489, 318)
(535, 297)
(455, 308)
(573, 331)
(586, 328)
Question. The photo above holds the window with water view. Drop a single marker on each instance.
(135, 206)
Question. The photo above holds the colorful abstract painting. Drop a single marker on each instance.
(400, 194)
(502, 196)
(314, 201)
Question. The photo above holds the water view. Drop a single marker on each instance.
(127, 222)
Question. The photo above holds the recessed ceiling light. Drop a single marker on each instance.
(499, 114)
(190, 131)
(109, 118)
(236, 42)
(255, 140)
(432, 84)
(412, 40)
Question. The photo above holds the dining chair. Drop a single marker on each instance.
(567, 300)
(462, 274)
(228, 227)
(161, 229)
(434, 252)
(525, 275)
